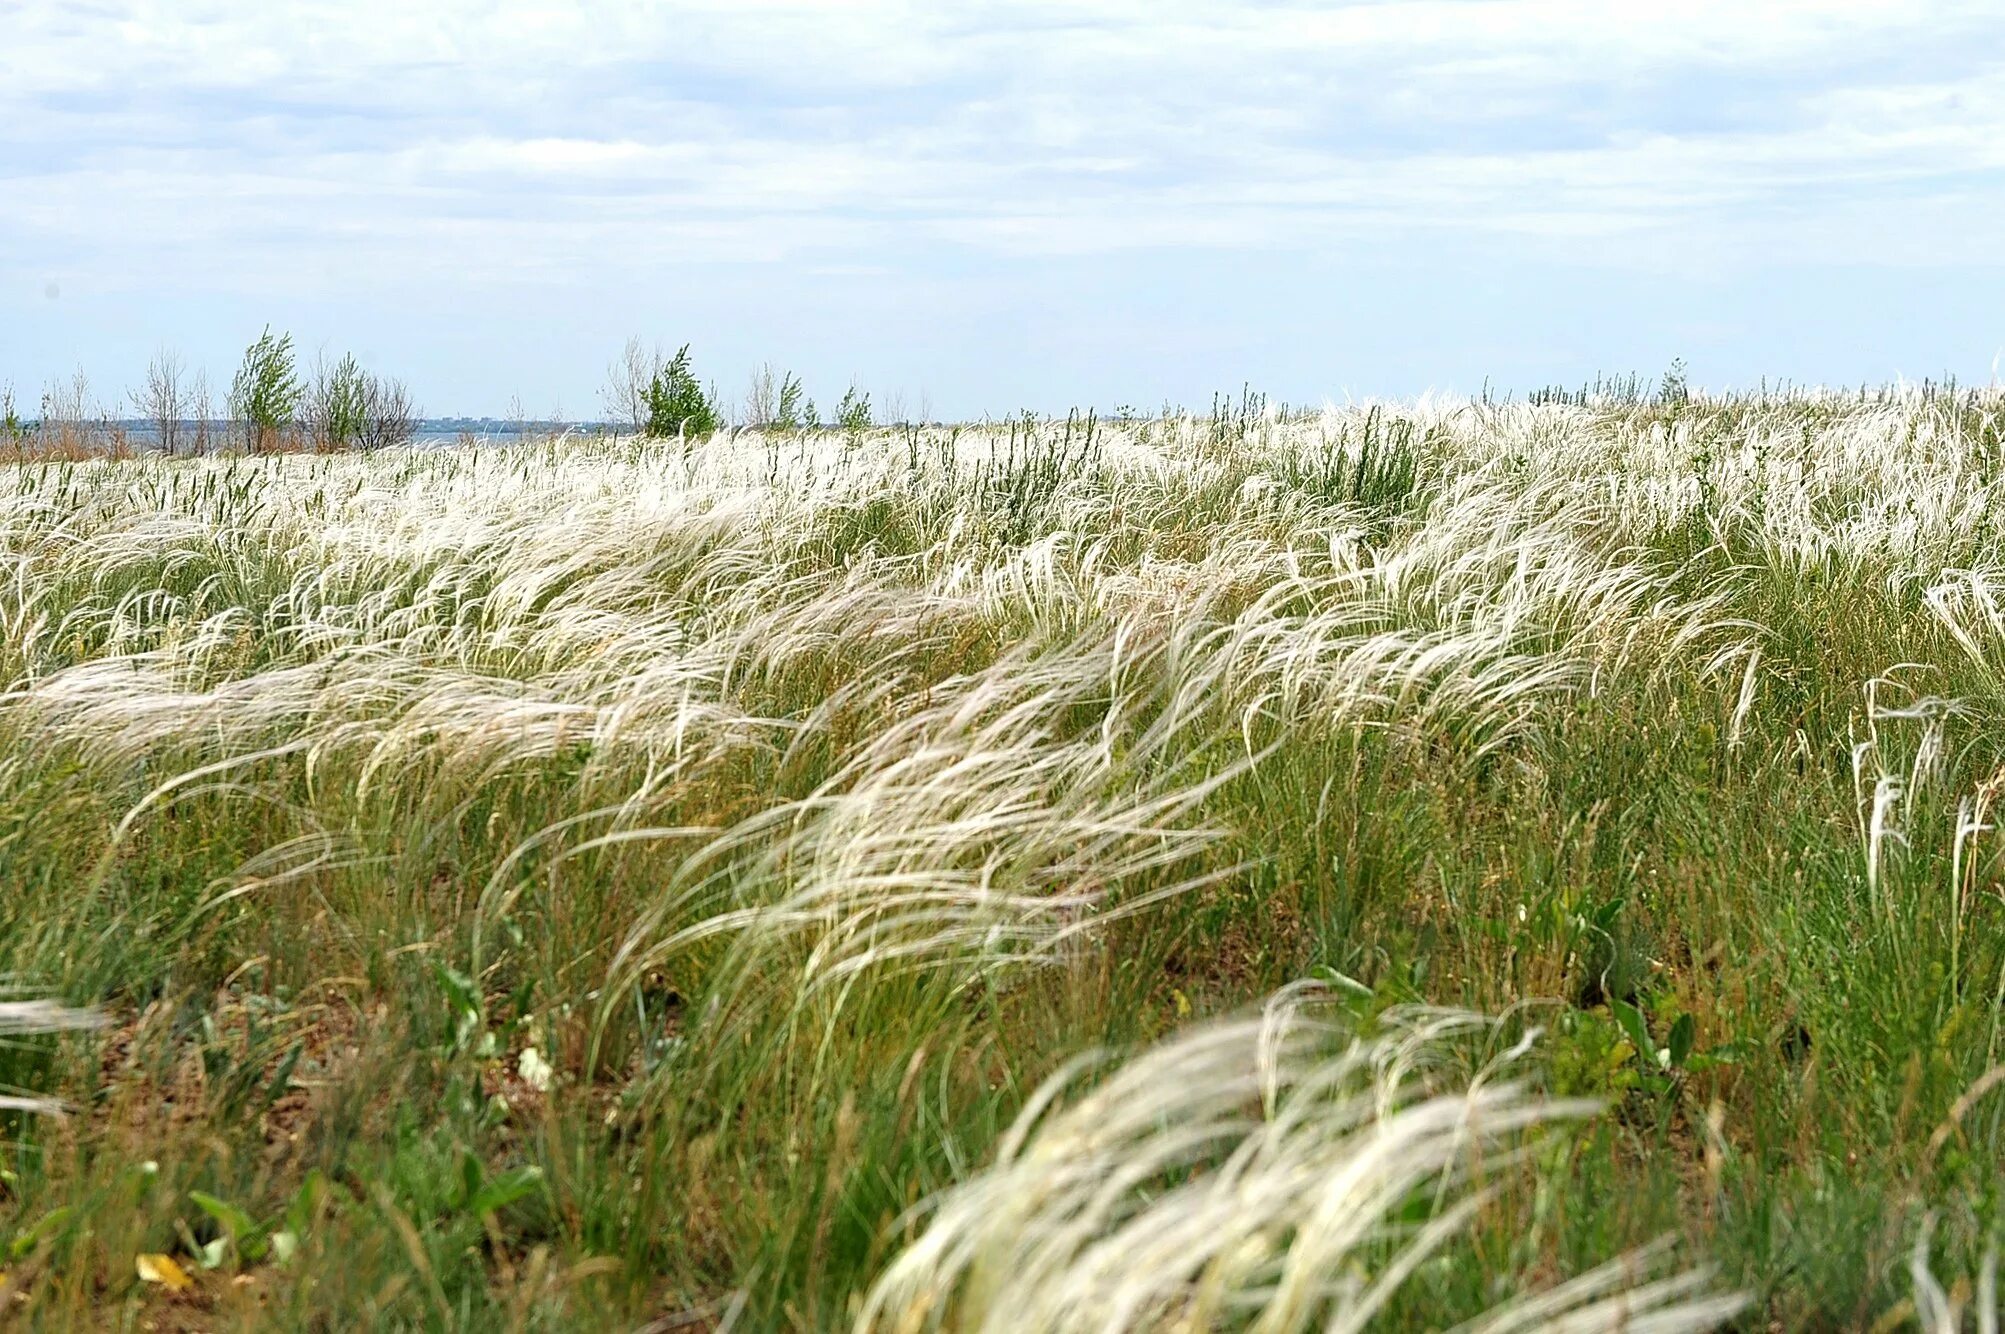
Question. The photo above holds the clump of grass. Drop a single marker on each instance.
(1274, 1173)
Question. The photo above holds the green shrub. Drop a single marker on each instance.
(338, 406)
(676, 402)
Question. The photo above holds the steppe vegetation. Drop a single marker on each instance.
(1523, 863)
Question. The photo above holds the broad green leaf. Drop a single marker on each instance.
(1683, 1033)
(505, 1190)
(234, 1220)
(30, 1238)
(1634, 1026)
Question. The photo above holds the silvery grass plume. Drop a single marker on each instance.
(980, 833)
(23, 1018)
(1250, 1174)
(1939, 1310)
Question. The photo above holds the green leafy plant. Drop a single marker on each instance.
(253, 1240)
(466, 1013)
(676, 402)
(44, 1229)
(1654, 1064)
(774, 402)
(853, 413)
(338, 404)
(1674, 389)
(249, 1071)
(1593, 1056)
(1608, 1052)
(789, 415)
(265, 395)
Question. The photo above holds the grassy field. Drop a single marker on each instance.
(1040, 877)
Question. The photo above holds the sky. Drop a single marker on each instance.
(975, 206)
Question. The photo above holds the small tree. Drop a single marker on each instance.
(1673, 389)
(627, 382)
(794, 412)
(66, 411)
(853, 413)
(66, 402)
(265, 395)
(388, 418)
(338, 404)
(762, 398)
(676, 402)
(774, 401)
(11, 428)
(163, 400)
(202, 410)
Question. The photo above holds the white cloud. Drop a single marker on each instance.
(556, 134)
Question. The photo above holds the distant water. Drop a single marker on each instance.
(432, 432)
(447, 433)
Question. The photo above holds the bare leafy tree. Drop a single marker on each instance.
(66, 411)
(163, 401)
(66, 401)
(762, 398)
(389, 418)
(202, 411)
(628, 381)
